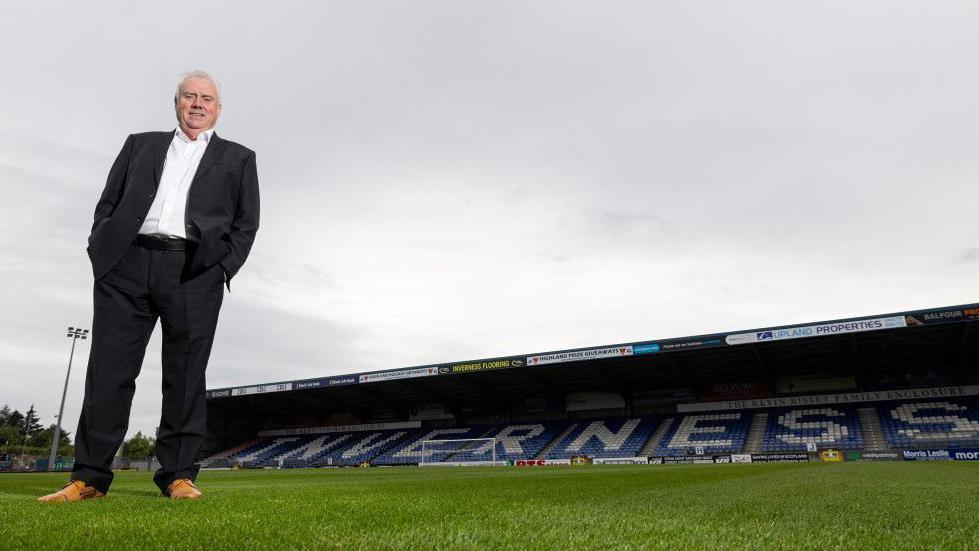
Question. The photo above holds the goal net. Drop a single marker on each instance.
(460, 451)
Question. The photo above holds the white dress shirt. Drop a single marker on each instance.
(167, 214)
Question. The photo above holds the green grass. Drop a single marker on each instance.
(786, 506)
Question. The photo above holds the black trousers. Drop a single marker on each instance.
(144, 286)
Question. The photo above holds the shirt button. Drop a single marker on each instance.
(138, 219)
(152, 195)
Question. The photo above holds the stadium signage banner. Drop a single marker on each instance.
(487, 365)
(779, 457)
(871, 456)
(465, 464)
(942, 316)
(326, 381)
(926, 455)
(580, 355)
(690, 344)
(249, 390)
(540, 462)
(741, 458)
(674, 345)
(847, 398)
(646, 348)
(620, 460)
(690, 459)
(399, 374)
(821, 330)
(966, 455)
(261, 389)
(342, 428)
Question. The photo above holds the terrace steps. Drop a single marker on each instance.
(657, 435)
(756, 434)
(873, 433)
(555, 441)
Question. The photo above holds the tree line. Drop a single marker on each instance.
(23, 431)
(19, 430)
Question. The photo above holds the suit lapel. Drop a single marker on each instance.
(211, 154)
(161, 156)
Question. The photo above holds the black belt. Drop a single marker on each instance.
(161, 243)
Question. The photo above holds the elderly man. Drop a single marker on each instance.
(174, 224)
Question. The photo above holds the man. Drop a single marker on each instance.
(174, 224)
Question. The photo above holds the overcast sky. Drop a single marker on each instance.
(447, 180)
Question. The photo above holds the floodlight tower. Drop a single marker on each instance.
(74, 333)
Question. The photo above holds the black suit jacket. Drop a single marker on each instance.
(222, 204)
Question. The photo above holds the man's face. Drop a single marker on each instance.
(197, 105)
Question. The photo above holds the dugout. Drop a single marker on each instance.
(922, 349)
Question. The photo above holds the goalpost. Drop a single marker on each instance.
(455, 452)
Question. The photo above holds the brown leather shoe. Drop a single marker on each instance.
(183, 488)
(76, 490)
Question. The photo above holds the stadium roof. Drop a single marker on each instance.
(865, 348)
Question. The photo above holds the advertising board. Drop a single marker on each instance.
(620, 460)
(871, 456)
(741, 458)
(926, 455)
(261, 389)
(580, 355)
(947, 315)
(820, 330)
(465, 464)
(779, 457)
(540, 462)
(831, 455)
(399, 374)
(676, 345)
(966, 455)
(487, 365)
(689, 459)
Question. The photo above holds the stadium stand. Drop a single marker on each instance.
(907, 424)
(513, 442)
(307, 453)
(362, 447)
(714, 432)
(411, 451)
(616, 437)
(823, 427)
(266, 451)
(935, 423)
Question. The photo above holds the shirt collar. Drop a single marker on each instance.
(203, 136)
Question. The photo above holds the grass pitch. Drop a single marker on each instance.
(785, 506)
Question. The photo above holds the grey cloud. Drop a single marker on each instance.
(968, 256)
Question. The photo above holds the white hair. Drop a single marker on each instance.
(197, 74)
